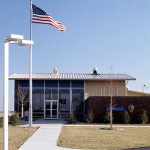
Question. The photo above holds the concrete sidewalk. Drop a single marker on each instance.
(45, 138)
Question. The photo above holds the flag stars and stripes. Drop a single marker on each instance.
(41, 17)
(37, 10)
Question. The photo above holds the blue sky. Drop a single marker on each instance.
(99, 33)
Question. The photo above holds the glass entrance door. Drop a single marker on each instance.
(51, 109)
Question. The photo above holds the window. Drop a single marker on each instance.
(38, 99)
(51, 94)
(77, 100)
(51, 83)
(38, 83)
(23, 83)
(64, 83)
(64, 95)
(78, 84)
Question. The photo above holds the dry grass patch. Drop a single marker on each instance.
(95, 138)
(17, 136)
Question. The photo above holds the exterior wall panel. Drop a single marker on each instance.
(104, 88)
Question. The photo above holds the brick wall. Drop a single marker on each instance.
(98, 106)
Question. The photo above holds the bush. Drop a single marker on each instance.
(90, 117)
(126, 117)
(107, 117)
(72, 119)
(1, 121)
(144, 117)
(14, 119)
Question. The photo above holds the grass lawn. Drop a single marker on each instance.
(17, 136)
(93, 137)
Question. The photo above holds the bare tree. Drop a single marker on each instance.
(111, 85)
(111, 102)
(23, 98)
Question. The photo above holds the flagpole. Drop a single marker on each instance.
(30, 70)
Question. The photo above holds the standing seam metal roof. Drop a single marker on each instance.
(70, 76)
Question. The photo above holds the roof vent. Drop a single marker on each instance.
(95, 71)
(55, 71)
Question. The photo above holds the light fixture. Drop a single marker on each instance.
(14, 38)
(25, 43)
(18, 39)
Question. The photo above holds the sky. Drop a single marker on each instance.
(99, 33)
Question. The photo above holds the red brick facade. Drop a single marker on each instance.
(98, 106)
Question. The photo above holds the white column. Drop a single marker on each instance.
(30, 90)
(70, 98)
(30, 70)
(5, 98)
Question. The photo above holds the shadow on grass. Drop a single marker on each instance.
(139, 148)
(42, 121)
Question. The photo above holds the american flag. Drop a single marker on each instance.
(40, 16)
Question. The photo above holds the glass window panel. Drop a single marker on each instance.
(54, 94)
(38, 91)
(51, 94)
(48, 114)
(77, 100)
(38, 99)
(38, 83)
(23, 83)
(48, 105)
(54, 105)
(64, 94)
(48, 94)
(49, 83)
(78, 84)
(54, 114)
(64, 83)
(64, 91)
(22, 97)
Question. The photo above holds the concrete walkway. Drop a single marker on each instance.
(45, 138)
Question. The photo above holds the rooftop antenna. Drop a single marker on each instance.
(144, 87)
(111, 67)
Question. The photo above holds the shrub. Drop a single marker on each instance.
(14, 119)
(72, 119)
(144, 117)
(90, 117)
(126, 117)
(1, 121)
(107, 117)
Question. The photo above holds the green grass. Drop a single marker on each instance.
(83, 137)
(17, 136)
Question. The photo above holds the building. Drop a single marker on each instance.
(136, 93)
(57, 95)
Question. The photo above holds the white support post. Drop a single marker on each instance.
(12, 39)
(5, 98)
(30, 71)
(30, 91)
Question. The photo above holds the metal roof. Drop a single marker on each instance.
(70, 76)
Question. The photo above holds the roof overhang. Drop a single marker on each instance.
(71, 76)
